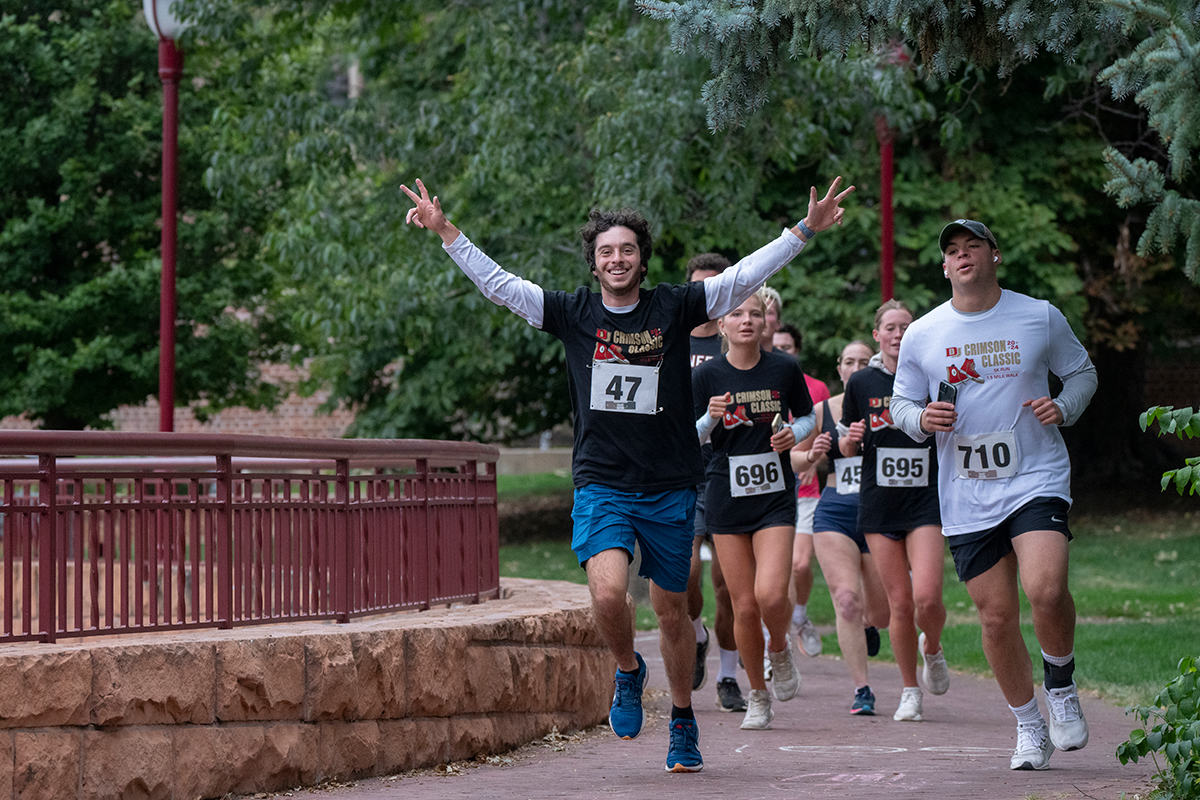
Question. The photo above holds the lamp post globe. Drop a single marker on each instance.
(167, 27)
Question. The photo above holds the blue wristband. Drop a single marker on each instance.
(807, 231)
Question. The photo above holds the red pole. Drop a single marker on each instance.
(170, 69)
(887, 244)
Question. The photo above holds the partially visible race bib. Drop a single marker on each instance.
(750, 476)
(902, 467)
(849, 474)
(624, 388)
(986, 457)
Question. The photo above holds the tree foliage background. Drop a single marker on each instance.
(524, 114)
(80, 154)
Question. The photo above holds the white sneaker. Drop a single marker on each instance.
(758, 711)
(910, 705)
(766, 667)
(810, 640)
(785, 677)
(1068, 728)
(935, 673)
(1033, 746)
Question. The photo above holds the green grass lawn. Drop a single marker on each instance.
(513, 487)
(1136, 584)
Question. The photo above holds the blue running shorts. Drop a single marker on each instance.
(660, 522)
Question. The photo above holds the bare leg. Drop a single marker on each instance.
(772, 551)
(695, 593)
(723, 613)
(891, 559)
(1042, 560)
(676, 640)
(841, 564)
(995, 595)
(737, 565)
(927, 553)
(802, 572)
(608, 581)
(878, 613)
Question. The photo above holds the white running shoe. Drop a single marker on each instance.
(758, 711)
(810, 640)
(935, 673)
(1033, 746)
(1068, 728)
(785, 677)
(909, 709)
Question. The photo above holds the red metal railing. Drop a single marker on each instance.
(209, 531)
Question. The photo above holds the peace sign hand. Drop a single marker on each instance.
(827, 211)
(427, 213)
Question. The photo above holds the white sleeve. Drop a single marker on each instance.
(705, 426)
(802, 426)
(906, 415)
(1077, 391)
(524, 298)
(727, 291)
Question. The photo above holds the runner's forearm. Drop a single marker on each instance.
(727, 291)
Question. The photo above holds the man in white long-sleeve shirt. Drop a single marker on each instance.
(636, 456)
(1004, 477)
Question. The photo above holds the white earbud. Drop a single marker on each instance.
(995, 258)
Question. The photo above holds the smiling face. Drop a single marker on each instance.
(970, 263)
(854, 357)
(618, 264)
(744, 325)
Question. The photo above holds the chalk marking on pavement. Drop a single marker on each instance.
(840, 748)
(743, 747)
(964, 751)
(849, 777)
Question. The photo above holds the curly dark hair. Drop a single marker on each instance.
(599, 221)
(709, 262)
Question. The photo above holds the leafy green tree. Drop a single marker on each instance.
(748, 41)
(80, 149)
(522, 118)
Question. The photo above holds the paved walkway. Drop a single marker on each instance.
(815, 749)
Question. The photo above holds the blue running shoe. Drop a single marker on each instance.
(864, 702)
(684, 753)
(626, 716)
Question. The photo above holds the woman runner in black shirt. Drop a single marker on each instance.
(741, 400)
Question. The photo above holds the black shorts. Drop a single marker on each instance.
(701, 524)
(747, 515)
(977, 552)
(838, 513)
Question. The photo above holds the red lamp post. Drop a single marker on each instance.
(167, 27)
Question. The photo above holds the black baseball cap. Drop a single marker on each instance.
(975, 227)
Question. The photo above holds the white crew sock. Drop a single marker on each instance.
(1028, 712)
(729, 663)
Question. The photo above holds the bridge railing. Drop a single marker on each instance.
(111, 533)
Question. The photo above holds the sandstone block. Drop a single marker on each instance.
(431, 738)
(45, 690)
(260, 679)
(433, 668)
(379, 665)
(349, 749)
(470, 736)
(126, 762)
(212, 761)
(289, 756)
(397, 746)
(7, 754)
(331, 690)
(46, 765)
(158, 684)
(513, 730)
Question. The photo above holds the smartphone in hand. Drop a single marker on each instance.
(777, 424)
(947, 393)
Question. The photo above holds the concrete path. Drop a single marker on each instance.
(815, 749)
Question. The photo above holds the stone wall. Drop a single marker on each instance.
(266, 708)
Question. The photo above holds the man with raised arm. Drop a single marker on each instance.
(1004, 477)
(636, 458)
